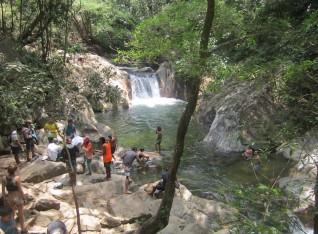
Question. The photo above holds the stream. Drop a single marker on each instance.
(201, 170)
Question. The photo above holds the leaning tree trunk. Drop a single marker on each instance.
(161, 219)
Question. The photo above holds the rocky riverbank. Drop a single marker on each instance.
(104, 208)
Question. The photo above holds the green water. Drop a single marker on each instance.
(201, 170)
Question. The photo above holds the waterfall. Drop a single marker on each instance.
(144, 86)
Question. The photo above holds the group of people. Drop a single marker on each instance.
(15, 198)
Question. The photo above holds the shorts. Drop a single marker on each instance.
(73, 162)
(29, 144)
(113, 149)
(107, 164)
(127, 171)
(14, 199)
(158, 142)
(15, 150)
(160, 187)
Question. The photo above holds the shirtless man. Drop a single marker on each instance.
(248, 153)
(159, 139)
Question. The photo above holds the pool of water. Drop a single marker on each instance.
(201, 170)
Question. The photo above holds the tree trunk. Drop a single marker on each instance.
(161, 219)
(66, 30)
(21, 11)
(3, 19)
(12, 24)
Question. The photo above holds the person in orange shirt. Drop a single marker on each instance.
(88, 148)
(107, 155)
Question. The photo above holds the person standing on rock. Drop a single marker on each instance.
(73, 150)
(70, 129)
(113, 144)
(15, 198)
(128, 159)
(159, 139)
(15, 144)
(107, 156)
(28, 139)
(88, 156)
(51, 130)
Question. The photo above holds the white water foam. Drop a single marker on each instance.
(152, 102)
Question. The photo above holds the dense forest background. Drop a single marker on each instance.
(272, 42)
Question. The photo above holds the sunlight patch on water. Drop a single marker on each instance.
(153, 102)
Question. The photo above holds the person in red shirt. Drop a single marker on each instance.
(88, 148)
(107, 155)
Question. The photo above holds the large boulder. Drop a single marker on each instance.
(237, 114)
(169, 85)
(47, 204)
(38, 171)
(130, 207)
(303, 151)
(303, 190)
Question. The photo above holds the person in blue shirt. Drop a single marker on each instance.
(162, 184)
(70, 129)
(6, 221)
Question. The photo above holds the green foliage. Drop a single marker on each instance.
(98, 88)
(262, 209)
(27, 86)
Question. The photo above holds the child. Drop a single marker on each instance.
(6, 220)
(159, 139)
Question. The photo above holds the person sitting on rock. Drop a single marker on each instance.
(248, 153)
(162, 184)
(7, 219)
(56, 227)
(53, 149)
(51, 130)
(88, 156)
(143, 156)
(70, 129)
(15, 198)
(107, 156)
(128, 159)
(71, 166)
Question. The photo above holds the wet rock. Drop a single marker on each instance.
(47, 204)
(39, 171)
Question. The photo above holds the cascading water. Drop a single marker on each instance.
(145, 91)
(144, 85)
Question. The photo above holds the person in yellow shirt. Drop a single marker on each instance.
(51, 129)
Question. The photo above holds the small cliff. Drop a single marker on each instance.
(237, 114)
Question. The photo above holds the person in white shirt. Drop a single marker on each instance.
(15, 144)
(53, 149)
